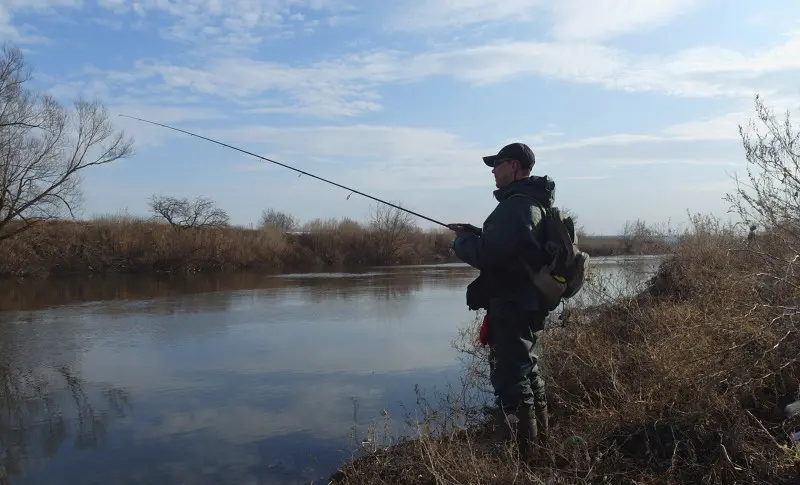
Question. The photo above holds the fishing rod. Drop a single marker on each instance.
(292, 168)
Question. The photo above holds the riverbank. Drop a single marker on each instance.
(131, 245)
(686, 382)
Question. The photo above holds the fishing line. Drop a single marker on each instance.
(290, 168)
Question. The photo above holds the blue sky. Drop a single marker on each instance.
(632, 107)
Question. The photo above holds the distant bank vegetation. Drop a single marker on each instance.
(194, 235)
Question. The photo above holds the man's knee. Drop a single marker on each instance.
(515, 355)
(537, 387)
(512, 388)
(511, 379)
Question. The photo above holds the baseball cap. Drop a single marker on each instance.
(515, 151)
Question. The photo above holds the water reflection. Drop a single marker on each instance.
(46, 414)
(614, 277)
(233, 378)
(165, 294)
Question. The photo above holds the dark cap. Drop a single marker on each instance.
(515, 151)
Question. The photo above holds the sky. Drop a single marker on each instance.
(632, 107)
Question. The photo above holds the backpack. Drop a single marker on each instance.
(565, 268)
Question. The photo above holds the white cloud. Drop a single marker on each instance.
(381, 156)
(569, 19)
(228, 24)
(602, 19)
(325, 89)
(147, 135)
(629, 162)
(721, 128)
(497, 62)
(441, 14)
(710, 145)
(586, 177)
(392, 157)
(718, 186)
(350, 85)
(27, 34)
(706, 60)
(724, 127)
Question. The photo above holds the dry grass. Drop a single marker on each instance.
(131, 245)
(597, 246)
(684, 382)
(124, 244)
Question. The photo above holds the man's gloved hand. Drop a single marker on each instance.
(462, 228)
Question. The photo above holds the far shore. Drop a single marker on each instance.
(127, 245)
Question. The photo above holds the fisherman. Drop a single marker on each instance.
(515, 313)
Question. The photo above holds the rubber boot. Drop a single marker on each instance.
(500, 429)
(527, 433)
(540, 409)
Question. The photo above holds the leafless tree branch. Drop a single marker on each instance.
(44, 146)
(280, 220)
(184, 213)
(392, 228)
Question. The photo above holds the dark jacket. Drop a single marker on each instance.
(510, 231)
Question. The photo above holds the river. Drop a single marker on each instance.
(237, 378)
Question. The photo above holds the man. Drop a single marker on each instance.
(515, 313)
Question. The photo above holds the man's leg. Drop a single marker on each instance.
(514, 355)
(537, 384)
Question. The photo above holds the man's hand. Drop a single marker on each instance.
(465, 228)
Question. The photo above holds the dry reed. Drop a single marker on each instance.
(124, 244)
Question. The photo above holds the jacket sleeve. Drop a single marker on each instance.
(503, 231)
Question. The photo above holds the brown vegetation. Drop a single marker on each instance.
(184, 241)
(685, 380)
(621, 245)
(132, 245)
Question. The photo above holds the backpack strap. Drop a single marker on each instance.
(562, 234)
(536, 202)
(566, 239)
(541, 208)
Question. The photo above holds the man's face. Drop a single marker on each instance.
(504, 171)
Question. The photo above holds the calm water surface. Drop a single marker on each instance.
(220, 379)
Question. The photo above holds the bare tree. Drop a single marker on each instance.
(392, 230)
(770, 199)
(43, 147)
(184, 213)
(635, 234)
(280, 220)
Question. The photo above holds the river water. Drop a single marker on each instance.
(241, 378)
